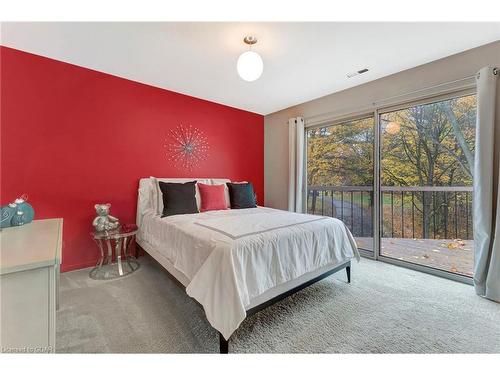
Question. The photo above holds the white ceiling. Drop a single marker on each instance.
(302, 61)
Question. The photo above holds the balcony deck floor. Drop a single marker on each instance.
(450, 255)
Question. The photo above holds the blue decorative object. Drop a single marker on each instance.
(17, 213)
(25, 208)
(7, 213)
(18, 219)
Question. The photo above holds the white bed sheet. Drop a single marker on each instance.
(228, 266)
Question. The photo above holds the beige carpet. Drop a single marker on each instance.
(386, 309)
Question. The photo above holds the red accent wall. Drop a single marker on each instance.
(72, 137)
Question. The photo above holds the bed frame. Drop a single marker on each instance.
(223, 343)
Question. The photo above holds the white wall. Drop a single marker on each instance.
(361, 97)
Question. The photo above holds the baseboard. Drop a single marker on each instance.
(91, 263)
(78, 266)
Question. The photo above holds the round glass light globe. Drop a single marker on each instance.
(393, 128)
(250, 66)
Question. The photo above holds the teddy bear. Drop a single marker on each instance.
(104, 221)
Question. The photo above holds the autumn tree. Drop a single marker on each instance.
(424, 145)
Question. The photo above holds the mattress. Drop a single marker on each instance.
(232, 260)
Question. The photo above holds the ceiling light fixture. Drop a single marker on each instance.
(250, 64)
(393, 128)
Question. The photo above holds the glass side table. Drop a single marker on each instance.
(117, 263)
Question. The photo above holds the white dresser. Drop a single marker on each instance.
(30, 256)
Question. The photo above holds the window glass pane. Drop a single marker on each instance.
(427, 159)
(340, 175)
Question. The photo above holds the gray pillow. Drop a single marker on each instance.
(178, 198)
(241, 195)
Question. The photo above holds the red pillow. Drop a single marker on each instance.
(212, 197)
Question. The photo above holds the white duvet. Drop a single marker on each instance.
(232, 256)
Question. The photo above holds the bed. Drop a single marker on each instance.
(237, 262)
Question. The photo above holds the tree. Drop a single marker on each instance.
(426, 145)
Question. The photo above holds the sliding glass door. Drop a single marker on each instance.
(419, 211)
(427, 160)
(340, 175)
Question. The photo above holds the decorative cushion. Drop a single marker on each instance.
(221, 181)
(241, 195)
(157, 200)
(212, 197)
(178, 198)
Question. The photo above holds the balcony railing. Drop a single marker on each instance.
(429, 212)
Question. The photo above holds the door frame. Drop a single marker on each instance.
(378, 139)
(376, 112)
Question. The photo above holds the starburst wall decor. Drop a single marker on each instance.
(186, 146)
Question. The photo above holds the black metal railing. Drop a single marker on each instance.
(407, 211)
